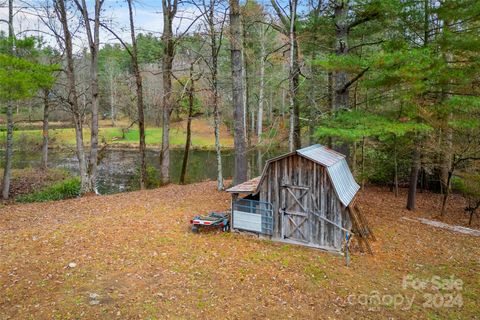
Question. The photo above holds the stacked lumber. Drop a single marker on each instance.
(360, 227)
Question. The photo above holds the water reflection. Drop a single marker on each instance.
(118, 168)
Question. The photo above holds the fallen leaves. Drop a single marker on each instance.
(135, 257)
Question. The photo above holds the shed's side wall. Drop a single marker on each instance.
(296, 170)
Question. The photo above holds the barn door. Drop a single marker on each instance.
(295, 213)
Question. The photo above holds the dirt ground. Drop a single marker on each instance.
(132, 256)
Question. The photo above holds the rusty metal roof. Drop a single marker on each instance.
(246, 187)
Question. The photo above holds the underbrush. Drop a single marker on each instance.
(69, 188)
(153, 178)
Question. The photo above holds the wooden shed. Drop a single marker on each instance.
(303, 197)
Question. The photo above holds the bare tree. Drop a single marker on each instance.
(46, 95)
(7, 171)
(94, 45)
(467, 150)
(72, 96)
(213, 21)
(133, 53)
(112, 90)
(169, 10)
(288, 27)
(261, 93)
(236, 43)
(138, 82)
(215, 45)
(191, 104)
(46, 113)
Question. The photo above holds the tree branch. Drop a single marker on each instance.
(363, 20)
(353, 80)
(365, 44)
(118, 38)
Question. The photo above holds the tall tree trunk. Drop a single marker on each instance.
(289, 29)
(112, 99)
(447, 148)
(94, 50)
(7, 170)
(446, 155)
(252, 123)
(245, 87)
(246, 106)
(46, 112)
(313, 95)
(270, 109)
(341, 49)
(218, 147)
(395, 167)
(330, 92)
(215, 47)
(415, 169)
(9, 146)
(139, 86)
(169, 11)
(330, 106)
(363, 161)
(354, 144)
(259, 161)
(240, 174)
(62, 15)
(93, 162)
(191, 92)
(340, 77)
(216, 116)
(82, 162)
(294, 138)
(447, 190)
(261, 93)
(94, 45)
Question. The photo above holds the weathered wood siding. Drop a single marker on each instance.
(299, 171)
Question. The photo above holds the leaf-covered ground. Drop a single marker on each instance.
(132, 256)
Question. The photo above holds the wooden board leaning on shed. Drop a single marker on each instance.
(361, 227)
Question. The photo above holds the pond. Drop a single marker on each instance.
(118, 168)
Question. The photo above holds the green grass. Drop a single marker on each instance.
(65, 189)
(315, 273)
(153, 137)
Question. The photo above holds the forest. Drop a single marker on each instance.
(124, 121)
(392, 84)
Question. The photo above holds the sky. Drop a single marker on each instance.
(147, 14)
(148, 18)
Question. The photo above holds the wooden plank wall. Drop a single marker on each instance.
(296, 170)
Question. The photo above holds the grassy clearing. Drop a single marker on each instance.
(202, 136)
(134, 253)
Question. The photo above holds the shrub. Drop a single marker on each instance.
(153, 180)
(469, 185)
(69, 188)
